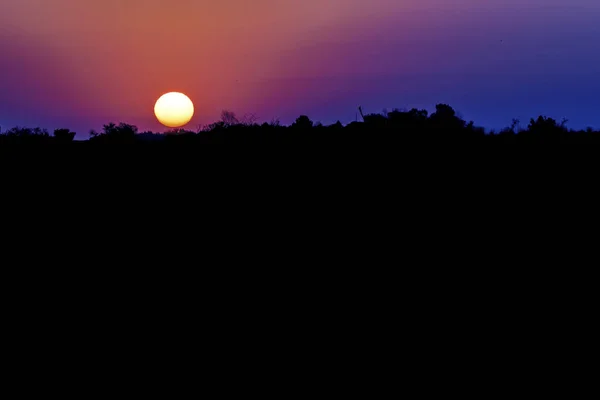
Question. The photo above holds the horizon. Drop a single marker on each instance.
(72, 65)
(515, 126)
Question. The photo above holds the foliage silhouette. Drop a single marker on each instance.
(387, 128)
(64, 135)
(112, 133)
(303, 123)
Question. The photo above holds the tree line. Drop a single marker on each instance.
(398, 125)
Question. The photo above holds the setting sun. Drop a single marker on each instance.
(174, 109)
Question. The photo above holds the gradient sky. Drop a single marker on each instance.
(79, 64)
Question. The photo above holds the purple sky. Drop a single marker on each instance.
(79, 64)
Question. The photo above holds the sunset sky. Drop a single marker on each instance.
(82, 63)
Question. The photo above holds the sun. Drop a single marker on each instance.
(174, 109)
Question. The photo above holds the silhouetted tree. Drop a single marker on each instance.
(394, 128)
(375, 120)
(444, 121)
(408, 121)
(25, 135)
(302, 123)
(547, 127)
(115, 133)
(510, 130)
(248, 119)
(64, 135)
(27, 132)
(228, 118)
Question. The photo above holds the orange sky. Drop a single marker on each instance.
(82, 63)
(120, 56)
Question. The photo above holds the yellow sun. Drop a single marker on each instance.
(174, 109)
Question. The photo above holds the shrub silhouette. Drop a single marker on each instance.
(444, 119)
(410, 119)
(397, 127)
(25, 135)
(302, 123)
(64, 135)
(545, 125)
(112, 133)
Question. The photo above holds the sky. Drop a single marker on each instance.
(81, 64)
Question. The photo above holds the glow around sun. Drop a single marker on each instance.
(174, 109)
